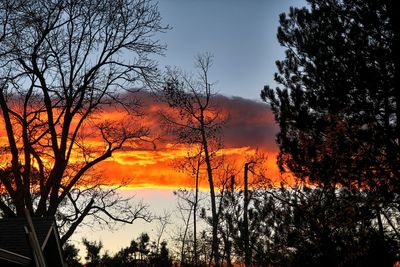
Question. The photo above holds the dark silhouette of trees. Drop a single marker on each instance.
(93, 249)
(337, 103)
(138, 253)
(143, 246)
(338, 107)
(63, 62)
(162, 258)
(186, 209)
(197, 121)
(300, 225)
(125, 257)
(162, 223)
(191, 165)
(238, 230)
(246, 200)
(71, 256)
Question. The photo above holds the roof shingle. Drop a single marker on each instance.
(13, 237)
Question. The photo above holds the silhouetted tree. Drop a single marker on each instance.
(193, 166)
(138, 253)
(197, 121)
(230, 205)
(108, 260)
(62, 62)
(338, 102)
(238, 231)
(300, 225)
(92, 252)
(143, 246)
(71, 255)
(333, 226)
(185, 208)
(163, 221)
(125, 257)
(162, 259)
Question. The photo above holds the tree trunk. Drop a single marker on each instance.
(245, 217)
(214, 244)
(196, 199)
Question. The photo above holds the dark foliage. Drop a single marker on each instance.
(307, 226)
(71, 255)
(140, 252)
(63, 62)
(338, 108)
(162, 258)
(92, 252)
(337, 103)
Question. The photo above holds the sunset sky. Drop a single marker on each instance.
(250, 127)
(200, 132)
(242, 37)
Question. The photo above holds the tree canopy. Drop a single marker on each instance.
(62, 63)
(337, 103)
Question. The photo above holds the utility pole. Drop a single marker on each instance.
(247, 252)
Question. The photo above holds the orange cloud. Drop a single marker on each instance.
(251, 126)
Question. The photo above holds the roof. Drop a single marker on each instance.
(13, 237)
(12, 259)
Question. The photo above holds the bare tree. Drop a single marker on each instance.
(198, 123)
(162, 222)
(185, 208)
(192, 165)
(62, 63)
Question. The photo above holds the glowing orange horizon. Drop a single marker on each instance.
(159, 172)
(154, 167)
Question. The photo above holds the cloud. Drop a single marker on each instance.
(250, 123)
(250, 126)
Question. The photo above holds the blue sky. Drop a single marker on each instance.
(241, 34)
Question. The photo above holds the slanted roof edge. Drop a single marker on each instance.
(60, 250)
(53, 229)
(15, 257)
(47, 236)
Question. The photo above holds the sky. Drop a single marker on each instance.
(250, 127)
(240, 34)
(242, 37)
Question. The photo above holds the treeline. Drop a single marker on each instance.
(337, 105)
(140, 252)
(312, 226)
(288, 225)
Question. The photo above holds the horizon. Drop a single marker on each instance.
(259, 133)
(241, 36)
